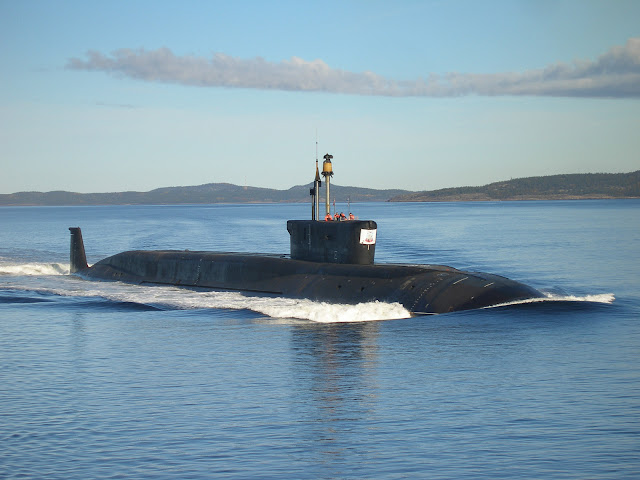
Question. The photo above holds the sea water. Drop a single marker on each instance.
(108, 380)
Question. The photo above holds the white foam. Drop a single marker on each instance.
(598, 298)
(275, 307)
(332, 313)
(607, 298)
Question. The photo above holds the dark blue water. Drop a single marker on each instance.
(105, 380)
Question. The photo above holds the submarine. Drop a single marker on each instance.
(330, 261)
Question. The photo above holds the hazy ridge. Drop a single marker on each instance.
(553, 187)
(200, 194)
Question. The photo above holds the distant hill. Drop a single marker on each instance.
(201, 194)
(553, 187)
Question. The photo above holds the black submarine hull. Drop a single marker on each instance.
(421, 289)
(329, 261)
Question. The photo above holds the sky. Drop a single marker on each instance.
(134, 95)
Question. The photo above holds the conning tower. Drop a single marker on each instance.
(331, 241)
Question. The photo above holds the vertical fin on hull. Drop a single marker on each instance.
(78, 259)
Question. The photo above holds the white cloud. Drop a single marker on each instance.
(614, 74)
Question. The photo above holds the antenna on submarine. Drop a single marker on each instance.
(315, 191)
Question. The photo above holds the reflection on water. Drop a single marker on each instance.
(335, 371)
